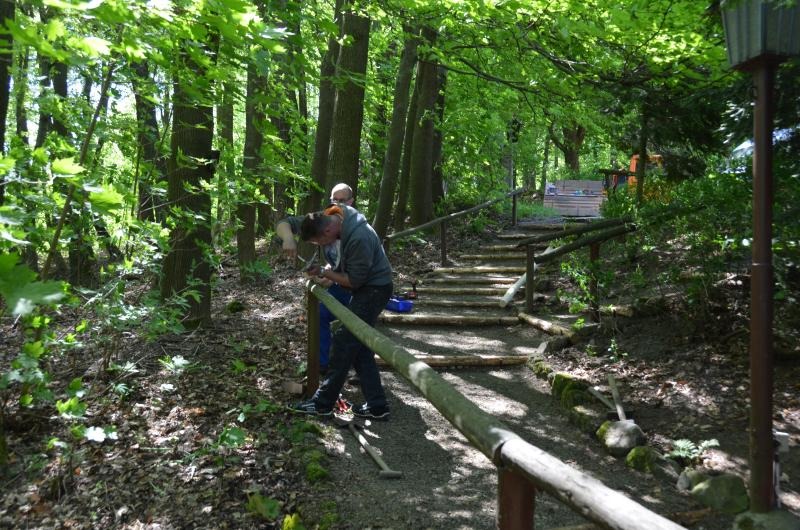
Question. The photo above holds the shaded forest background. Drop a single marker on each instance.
(156, 140)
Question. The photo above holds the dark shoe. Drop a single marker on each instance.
(354, 380)
(310, 407)
(371, 413)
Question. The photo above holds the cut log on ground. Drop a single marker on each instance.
(512, 291)
(546, 326)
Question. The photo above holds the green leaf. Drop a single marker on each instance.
(66, 166)
(105, 199)
(79, 6)
(92, 46)
(6, 164)
(25, 299)
(71, 408)
(231, 437)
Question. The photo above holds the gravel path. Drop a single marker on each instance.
(449, 484)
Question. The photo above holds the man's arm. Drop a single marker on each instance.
(284, 231)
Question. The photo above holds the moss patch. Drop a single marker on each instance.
(642, 458)
(540, 367)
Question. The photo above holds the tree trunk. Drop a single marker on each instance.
(641, 166)
(348, 113)
(437, 178)
(154, 168)
(6, 58)
(226, 170)
(253, 139)
(20, 92)
(327, 100)
(394, 147)
(570, 144)
(422, 144)
(186, 268)
(543, 188)
(405, 161)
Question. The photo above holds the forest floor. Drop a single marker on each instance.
(201, 438)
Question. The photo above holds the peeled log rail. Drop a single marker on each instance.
(448, 320)
(452, 216)
(591, 227)
(546, 326)
(446, 361)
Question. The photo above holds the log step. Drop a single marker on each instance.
(461, 279)
(495, 256)
(450, 361)
(458, 289)
(481, 269)
(448, 320)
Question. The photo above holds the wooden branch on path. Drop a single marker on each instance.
(546, 326)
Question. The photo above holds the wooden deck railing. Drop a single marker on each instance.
(523, 469)
(445, 219)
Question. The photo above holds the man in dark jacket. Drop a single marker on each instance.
(366, 272)
(287, 229)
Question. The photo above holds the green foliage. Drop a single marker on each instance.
(265, 507)
(238, 366)
(175, 365)
(315, 471)
(690, 454)
(292, 522)
(20, 290)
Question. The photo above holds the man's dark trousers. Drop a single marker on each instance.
(367, 304)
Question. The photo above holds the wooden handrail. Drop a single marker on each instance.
(590, 227)
(582, 493)
(450, 217)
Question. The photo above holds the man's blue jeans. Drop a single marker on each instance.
(367, 304)
(325, 319)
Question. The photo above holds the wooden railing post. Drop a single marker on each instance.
(594, 291)
(443, 242)
(312, 336)
(530, 269)
(516, 501)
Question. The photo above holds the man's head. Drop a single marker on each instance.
(319, 228)
(342, 194)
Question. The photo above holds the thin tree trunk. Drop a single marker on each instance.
(642, 165)
(405, 161)
(253, 139)
(394, 148)
(327, 101)
(437, 178)
(154, 168)
(226, 169)
(6, 58)
(348, 114)
(545, 163)
(422, 144)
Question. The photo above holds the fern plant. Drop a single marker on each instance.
(688, 453)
